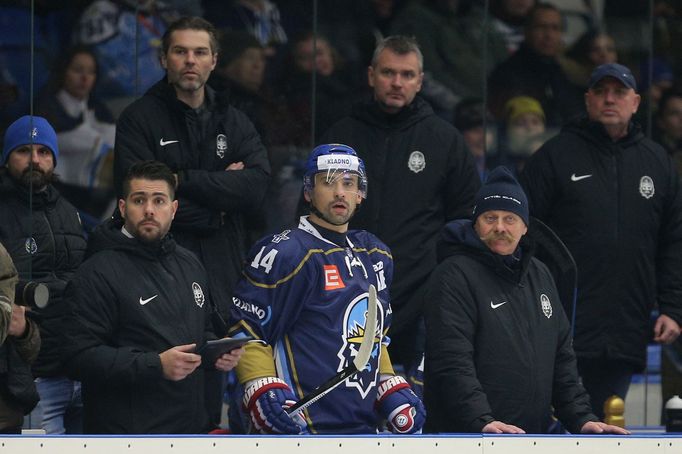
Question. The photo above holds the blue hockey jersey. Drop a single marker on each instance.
(307, 298)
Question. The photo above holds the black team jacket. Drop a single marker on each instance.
(618, 208)
(499, 343)
(129, 302)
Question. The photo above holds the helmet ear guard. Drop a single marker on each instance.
(336, 160)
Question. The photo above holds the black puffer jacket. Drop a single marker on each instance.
(618, 208)
(129, 302)
(498, 344)
(47, 245)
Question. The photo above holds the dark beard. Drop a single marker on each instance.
(37, 179)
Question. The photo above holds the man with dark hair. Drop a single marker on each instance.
(139, 309)
(214, 152)
(613, 197)
(190, 23)
(498, 350)
(305, 293)
(42, 232)
(406, 146)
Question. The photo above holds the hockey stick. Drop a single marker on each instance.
(357, 365)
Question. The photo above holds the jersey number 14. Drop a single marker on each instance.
(264, 261)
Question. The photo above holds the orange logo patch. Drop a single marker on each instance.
(332, 278)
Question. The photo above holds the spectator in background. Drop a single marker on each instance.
(592, 49)
(523, 132)
(478, 129)
(652, 86)
(125, 36)
(352, 26)
(508, 18)
(19, 346)
(85, 132)
(451, 42)
(406, 146)
(43, 234)
(260, 18)
(534, 70)
(668, 130)
(334, 95)
(613, 197)
(240, 73)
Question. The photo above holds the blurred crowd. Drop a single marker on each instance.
(92, 58)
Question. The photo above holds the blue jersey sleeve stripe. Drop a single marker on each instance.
(298, 268)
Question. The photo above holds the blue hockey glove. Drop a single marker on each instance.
(400, 406)
(265, 399)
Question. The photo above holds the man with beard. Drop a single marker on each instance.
(305, 293)
(498, 349)
(43, 234)
(138, 310)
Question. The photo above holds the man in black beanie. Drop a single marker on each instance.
(498, 347)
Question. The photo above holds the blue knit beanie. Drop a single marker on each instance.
(502, 192)
(22, 132)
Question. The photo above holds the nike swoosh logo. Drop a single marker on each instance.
(575, 177)
(143, 302)
(163, 143)
(495, 306)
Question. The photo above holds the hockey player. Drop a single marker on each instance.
(305, 293)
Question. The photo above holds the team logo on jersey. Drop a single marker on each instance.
(281, 236)
(198, 294)
(221, 145)
(416, 162)
(332, 278)
(354, 326)
(546, 305)
(646, 187)
(31, 246)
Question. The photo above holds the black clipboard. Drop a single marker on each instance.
(213, 349)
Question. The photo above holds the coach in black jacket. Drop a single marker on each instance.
(221, 165)
(613, 197)
(498, 351)
(422, 176)
(138, 311)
